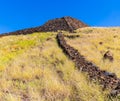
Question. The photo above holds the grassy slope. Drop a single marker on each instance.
(88, 45)
(33, 67)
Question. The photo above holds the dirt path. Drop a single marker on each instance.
(106, 79)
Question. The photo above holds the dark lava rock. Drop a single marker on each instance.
(108, 55)
(106, 79)
(65, 23)
(114, 93)
(110, 74)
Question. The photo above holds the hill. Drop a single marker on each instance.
(34, 67)
(65, 23)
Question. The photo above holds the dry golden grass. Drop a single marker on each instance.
(88, 45)
(38, 70)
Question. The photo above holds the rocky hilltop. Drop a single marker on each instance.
(65, 23)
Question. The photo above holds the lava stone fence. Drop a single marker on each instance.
(106, 79)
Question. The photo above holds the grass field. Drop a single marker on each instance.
(34, 68)
(89, 46)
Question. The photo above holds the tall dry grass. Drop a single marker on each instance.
(40, 71)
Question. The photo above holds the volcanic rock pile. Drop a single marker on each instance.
(106, 79)
(66, 23)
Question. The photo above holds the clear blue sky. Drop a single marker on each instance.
(18, 14)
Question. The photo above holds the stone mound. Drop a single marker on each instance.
(65, 23)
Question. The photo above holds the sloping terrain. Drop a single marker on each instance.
(34, 65)
(34, 68)
(106, 79)
(65, 23)
(93, 43)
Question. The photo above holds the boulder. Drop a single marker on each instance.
(108, 55)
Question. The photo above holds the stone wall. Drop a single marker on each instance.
(106, 79)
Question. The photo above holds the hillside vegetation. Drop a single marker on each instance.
(93, 43)
(34, 68)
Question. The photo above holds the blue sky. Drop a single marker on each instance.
(19, 14)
